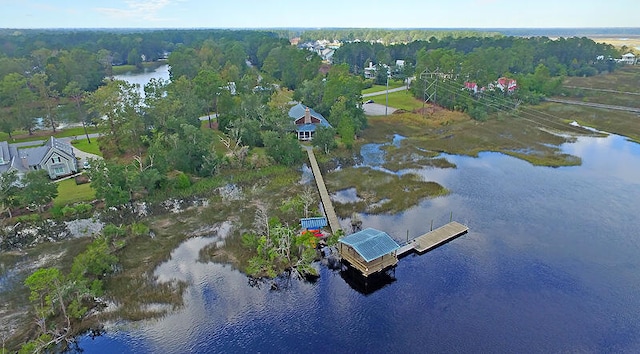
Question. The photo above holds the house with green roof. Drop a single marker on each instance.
(306, 121)
(369, 251)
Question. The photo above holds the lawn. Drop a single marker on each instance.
(83, 145)
(69, 192)
(21, 135)
(403, 100)
(378, 88)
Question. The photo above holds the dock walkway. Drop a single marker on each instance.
(330, 213)
(433, 239)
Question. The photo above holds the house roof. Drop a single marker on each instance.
(371, 243)
(313, 223)
(12, 156)
(298, 111)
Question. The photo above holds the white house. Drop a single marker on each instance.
(55, 156)
(629, 58)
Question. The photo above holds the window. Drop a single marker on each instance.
(58, 170)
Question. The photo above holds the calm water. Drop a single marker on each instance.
(143, 78)
(551, 264)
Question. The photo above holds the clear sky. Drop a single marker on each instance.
(322, 13)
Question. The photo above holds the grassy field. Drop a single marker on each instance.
(83, 145)
(621, 88)
(400, 100)
(21, 136)
(378, 88)
(632, 41)
(69, 192)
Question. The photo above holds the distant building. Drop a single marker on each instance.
(506, 84)
(55, 156)
(629, 59)
(471, 86)
(306, 121)
(370, 71)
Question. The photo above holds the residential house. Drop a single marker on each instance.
(628, 58)
(369, 251)
(306, 121)
(55, 156)
(506, 85)
(471, 86)
(370, 72)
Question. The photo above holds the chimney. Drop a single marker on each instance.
(25, 164)
(307, 116)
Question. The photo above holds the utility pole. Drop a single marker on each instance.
(430, 80)
(386, 106)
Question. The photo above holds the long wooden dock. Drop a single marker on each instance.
(433, 239)
(329, 212)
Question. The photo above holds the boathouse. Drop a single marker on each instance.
(369, 251)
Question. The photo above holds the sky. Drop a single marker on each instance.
(318, 14)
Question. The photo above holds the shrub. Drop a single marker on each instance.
(113, 231)
(139, 229)
(83, 209)
(68, 211)
(182, 181)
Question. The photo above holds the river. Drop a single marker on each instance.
(550, 264)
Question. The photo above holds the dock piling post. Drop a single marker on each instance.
(407, 235)
(451, 217)
(431, 225)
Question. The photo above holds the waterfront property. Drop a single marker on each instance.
(306, 121)
(55, 156)
(369, 251)
(434, 238)
(330, 213)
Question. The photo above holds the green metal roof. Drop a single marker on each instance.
(371, 243)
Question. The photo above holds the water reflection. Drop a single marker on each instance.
(367, 285)
(143, 78)
(550, 264)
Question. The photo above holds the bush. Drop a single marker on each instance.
(113, 231)
(56, 211)
(83, 209)
(68, 211)
(139, 229)
(182, 181)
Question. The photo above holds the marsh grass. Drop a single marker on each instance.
(380, 192)
(455, 133)
(408, 156)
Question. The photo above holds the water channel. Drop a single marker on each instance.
(551, 264)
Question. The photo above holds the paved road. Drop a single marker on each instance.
(596, 105)
(378, 93)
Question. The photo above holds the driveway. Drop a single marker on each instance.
(376, 109)
(81, 155)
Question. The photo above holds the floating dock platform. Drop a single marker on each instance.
(433, 239)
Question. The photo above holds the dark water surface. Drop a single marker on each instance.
(551, 264)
